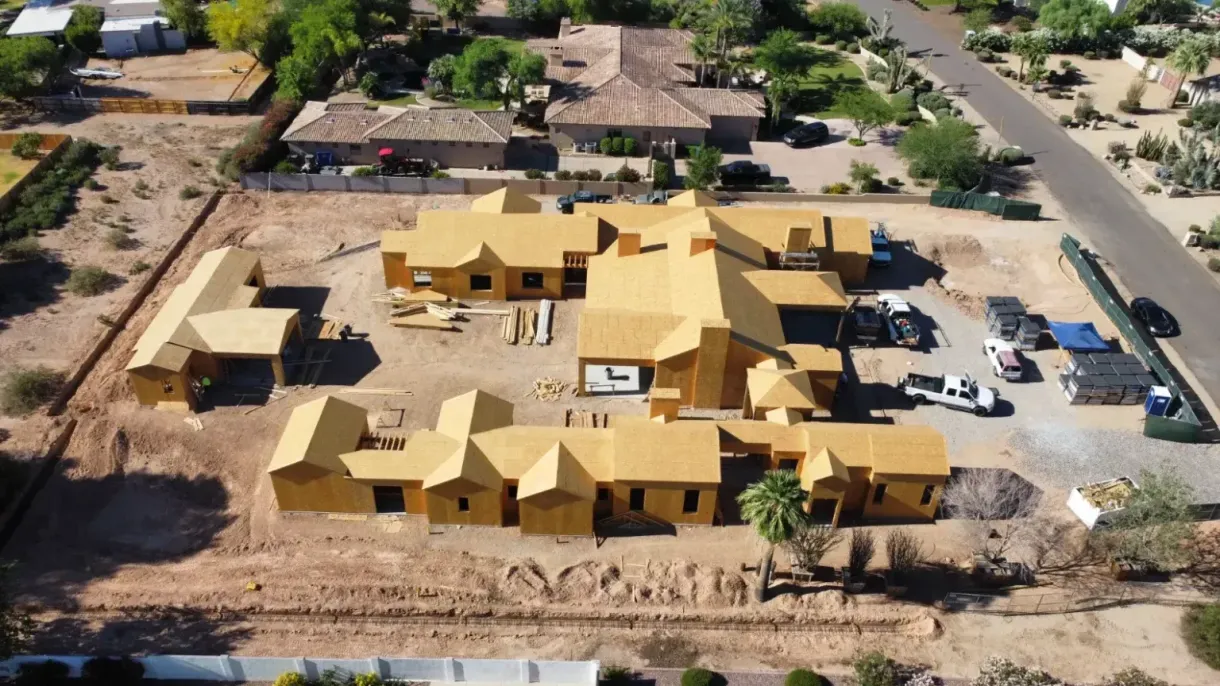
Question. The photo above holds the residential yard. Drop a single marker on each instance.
(200, 74)
(148, 514)
(12, 168)
(832, 73)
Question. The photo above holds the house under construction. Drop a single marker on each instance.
(212, 326)
(477, 467)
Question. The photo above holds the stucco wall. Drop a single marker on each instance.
(563, 135)
(461, 155)
(734, 129)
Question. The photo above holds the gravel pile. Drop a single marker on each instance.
(1070, 456)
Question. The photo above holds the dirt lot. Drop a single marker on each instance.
(150, 516)
(206, 74)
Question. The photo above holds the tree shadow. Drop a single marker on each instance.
(29, 285)
(79, 530)
(167, 632)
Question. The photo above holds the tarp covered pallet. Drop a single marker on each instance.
(1005, 208)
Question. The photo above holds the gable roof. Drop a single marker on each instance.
(317, 432)
(247, 331)
(633, 76)
(780, 388)
(506, 201)
(557, 471)
(465, 470)
(824, 469)
(472, 413)
(322, 122)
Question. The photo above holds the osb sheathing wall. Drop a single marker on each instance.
(571, 518)
(506, 282)
(902, 498)
(308, 488)
(664, 500)
(149, 386)
(485, 509)
(740, 359)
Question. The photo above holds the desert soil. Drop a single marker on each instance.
(147, 537)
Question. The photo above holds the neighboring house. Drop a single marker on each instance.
(638, 83)
(518, 254)
(350, 133)
(130, 27)
(212, 325)
(480, 468)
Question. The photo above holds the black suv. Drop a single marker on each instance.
(807, 134)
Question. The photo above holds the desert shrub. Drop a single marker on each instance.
(803, 677)
(109, 157)
(565, 175)
(616, 675)
(1206, 114)
(943, 113)
(853, 48)
(1127, 107)
(1065, 119)
(893, 181)
(90, 280)
(605, 144)
(823, 39)
(872, 185)
(91, 184)
(627, 174)
(1133, 677)
(369, 679)
(616, 145)
(1090, 55)
(1022, 24)
(139, 267)
(876, 71)
(874, 669)
(261, 142)
(1195, 228)
(108, 199)
(1054, 93)
(48, 198)
(117, 239)
(1010, 156)
(1108, 116)
(361, 171)
(285, 167)
(629, 146)
(291, 679)
(1209, 242)
(22, 249)
(1186, 122)
(697, 676)
(112, 671)
(535, 174)
(907, 118)
(1213, 263)
(141, 185)
(1001, 672)
(1152, 189)
(660, 175)
(1201, 623)
(24, 390)
(1005, 71)
(442, 174)
(838, 188)
(933, 101)
(593, 175)
(189, 192)
(27, 145)
(840, 45)
(985, 55)
(902, 101)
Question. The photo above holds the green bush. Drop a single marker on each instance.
(872, 185)
(933, 101)
(840, 45)
(823, 39)
(838, 188)
(985, 55)
(1023, 24)
(605, 145)
(91, 184)
(22, 250)
(1065, 119)
(660, 175)
(907, 118)
(27, 146)
(874, 669)
(189, 192)
(535, 174)
(1054, 93)
(697, 676)
(1152, 189)
(90, 280)
(627, 174)
(291, 679)
(441, 174)
(1010, 156)
(24, 390)
(139, 267)
(1206, 114)
(902, 101)
(48, 198)
(565, 175)
(629, 147)
(117, 239)
(856, 142)
(1201, 623)
(616, 146)
(260, 144)
(593, 175)
(853, 48)
(285, 167)
(1186, 122)
(803, 677)
(364, 171)
(893, 181)
(369, 679)
(1213, 263)
(109, 157)
(1126, 107)
(616, 675)
(1133, 677)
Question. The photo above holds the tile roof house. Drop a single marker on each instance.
(351, 133)
(639, 83)
(478, 467)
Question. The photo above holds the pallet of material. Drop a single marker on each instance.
(422, 320)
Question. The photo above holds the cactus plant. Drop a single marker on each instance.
(1198, 166)
(1151, 148)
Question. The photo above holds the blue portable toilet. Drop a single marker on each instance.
(325, 158)
(1157, 403)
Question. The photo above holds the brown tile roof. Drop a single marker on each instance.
(627, 76)
(321, 122)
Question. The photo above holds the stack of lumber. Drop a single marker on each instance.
(520, 326)
(548, 389)
(581, 419)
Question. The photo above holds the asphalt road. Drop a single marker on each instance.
(1148, 259)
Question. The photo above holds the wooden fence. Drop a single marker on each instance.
(142, 106)
(54, 143)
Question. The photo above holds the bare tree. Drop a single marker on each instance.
(997, 506)
(810, 544)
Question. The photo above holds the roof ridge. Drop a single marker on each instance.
(686, 105)
(478, 114)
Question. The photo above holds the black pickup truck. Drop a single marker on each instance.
(565, 202)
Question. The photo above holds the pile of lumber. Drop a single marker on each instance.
(548, 389)
(520, 326)
(581, 419)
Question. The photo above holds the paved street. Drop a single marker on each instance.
(1148, 259)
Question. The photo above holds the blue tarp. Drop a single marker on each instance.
(1078, 337)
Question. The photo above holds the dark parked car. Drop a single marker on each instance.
(744, 173)
(811, 133)
(1154, 317)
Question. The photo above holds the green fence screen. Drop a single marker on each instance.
(1006, 208)
(1185, 427)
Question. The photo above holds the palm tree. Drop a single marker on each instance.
(1190, 57)
(380, 24)
(727, 20)
(703, 51)
(780, 91)
(774, 507)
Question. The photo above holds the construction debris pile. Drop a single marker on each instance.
(548, 389)
(436, 311)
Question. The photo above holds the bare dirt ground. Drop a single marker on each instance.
(206, 74)
(148, 536)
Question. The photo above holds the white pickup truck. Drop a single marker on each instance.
(900, 318)
(960, 393)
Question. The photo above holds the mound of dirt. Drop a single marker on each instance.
(969, 305)
(958, 252)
